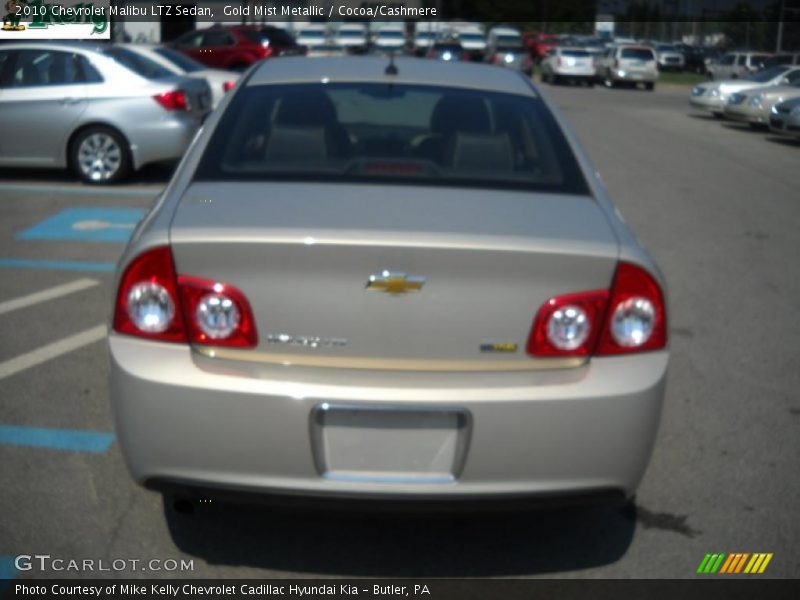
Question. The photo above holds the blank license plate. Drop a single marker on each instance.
(389, 445)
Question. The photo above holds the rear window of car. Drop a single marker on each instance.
(137, 63)
(179, 59)
(637, 53)
(575, 53)
(376, 132)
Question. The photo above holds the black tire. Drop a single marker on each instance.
(100, 155)
(556, 79)
(608, 81)
(650, 86)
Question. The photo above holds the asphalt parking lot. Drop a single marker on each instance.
(717, 205)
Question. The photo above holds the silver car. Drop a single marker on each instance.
(713, 96)
(628, 65)
(785, 118)
(100, 110)
(754, 106)
(387, 280)
(219, 81)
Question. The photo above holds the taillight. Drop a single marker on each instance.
(636, 319)
(568, 325)
(155, 303)
(227, 86)
(147, 300)
(216, 314)
(173, 100)
(631, 317)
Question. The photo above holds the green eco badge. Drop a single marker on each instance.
(44, 15)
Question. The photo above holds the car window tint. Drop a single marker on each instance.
(728, 59)
(637, 53)
(141, 65)
(45, 67)
(193, 40)
(183, 62)
(217, 38)
(768, 74)
(89, 72)
(575, 53)
(404, 133)
(279, 37)
(5, 68)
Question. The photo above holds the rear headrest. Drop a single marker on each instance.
(481, 152)
(296, 144)
(457, 112)
(306, 109)
(57, 73)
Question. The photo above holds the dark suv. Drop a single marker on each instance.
(236, 47)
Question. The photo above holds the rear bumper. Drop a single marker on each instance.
(575, 74)
(621, 75)
(162, 140)
(200, 422)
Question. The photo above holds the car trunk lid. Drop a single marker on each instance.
(303, 254)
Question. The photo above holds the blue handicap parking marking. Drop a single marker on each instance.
(71, 440)
(87, 224)
(8, 568)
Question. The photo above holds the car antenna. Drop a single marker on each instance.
(391, 68)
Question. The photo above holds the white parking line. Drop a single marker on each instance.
(50, 351)
(45, 295)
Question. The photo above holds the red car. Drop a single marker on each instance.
(539, 43)
(236, 47)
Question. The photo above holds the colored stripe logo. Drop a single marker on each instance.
(735, 563)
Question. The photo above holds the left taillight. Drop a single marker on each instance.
(173, 100)
(153, 302)
(630, 317)
(147, 303)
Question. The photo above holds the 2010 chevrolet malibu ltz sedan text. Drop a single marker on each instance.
(387, 280)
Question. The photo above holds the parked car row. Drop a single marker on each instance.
(618, 65)
(769, 98)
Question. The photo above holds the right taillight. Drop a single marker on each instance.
(636, 319)
(154, 302)
(630, 317)
(173, 100)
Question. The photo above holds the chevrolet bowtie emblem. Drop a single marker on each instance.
(394, 283)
